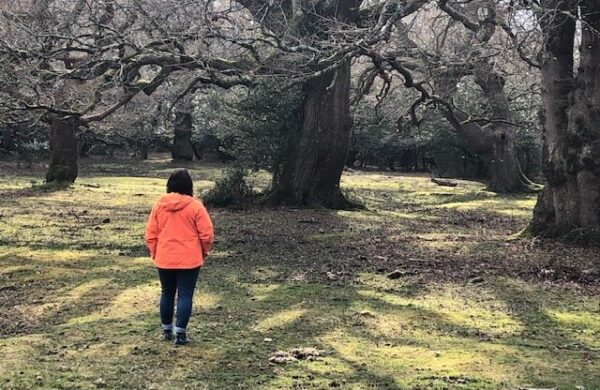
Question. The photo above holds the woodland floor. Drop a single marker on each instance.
(473, 308)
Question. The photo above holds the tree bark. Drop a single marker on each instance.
(311, 174)
(507, 175)
(182, 149)
(496, 141)
(8, 142)
(63, 151)
(317, 154)
(505, 168)
(84, 146)
(571, 121)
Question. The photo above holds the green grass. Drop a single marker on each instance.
(474, 310)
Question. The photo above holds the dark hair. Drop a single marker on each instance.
(181, 182)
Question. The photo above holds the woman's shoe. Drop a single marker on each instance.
(181, 339)
(167, 335)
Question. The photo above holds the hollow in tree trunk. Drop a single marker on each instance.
(63, 150)
(311, 174)
(571, 121)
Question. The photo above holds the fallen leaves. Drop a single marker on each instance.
(295, 354)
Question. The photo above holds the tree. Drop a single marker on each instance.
(499, 135)
(324, 32)
(73, 63)
(317, 153)
(182, 148)
(570, 117)
(444, 54)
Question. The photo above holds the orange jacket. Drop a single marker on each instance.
(179, 233)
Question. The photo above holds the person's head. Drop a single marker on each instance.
(181, 182)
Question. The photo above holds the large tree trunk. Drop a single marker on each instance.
(182, 148)
(505, 168)
(8, 143)
(311, 174)
(506, 173)
(63, 150)
(571, 121)
(495, 141)
(84, 146)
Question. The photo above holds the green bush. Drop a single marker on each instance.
(231, 190)
(251, 125)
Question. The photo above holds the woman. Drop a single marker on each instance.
(179, 236)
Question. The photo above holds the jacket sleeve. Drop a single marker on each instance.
(205, 230)
(151, 234)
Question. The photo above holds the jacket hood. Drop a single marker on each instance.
(175, 201)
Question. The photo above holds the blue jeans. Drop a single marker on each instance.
(182, 281)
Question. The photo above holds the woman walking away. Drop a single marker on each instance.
(179, 235)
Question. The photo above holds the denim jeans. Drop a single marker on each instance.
(182, 281)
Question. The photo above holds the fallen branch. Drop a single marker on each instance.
(444, 182)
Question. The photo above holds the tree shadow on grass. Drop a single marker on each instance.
(307, 328)
(37, 191)
(230, 347)
(290, 248)
(47, 294)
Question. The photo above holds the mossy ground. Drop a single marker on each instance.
(473, 309)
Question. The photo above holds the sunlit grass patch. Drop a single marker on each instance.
(261, 292)
(280, 320)
(459, 308)
(583, 327)
(133, 301)
(323, 236)
(265, 273)
(359, 218)
(68, 256)
(371, 181)
(17, 352)
(403, 366)
(520, 208)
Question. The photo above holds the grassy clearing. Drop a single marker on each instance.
(78, 296)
